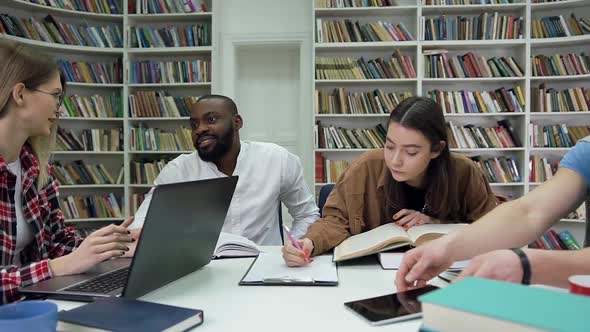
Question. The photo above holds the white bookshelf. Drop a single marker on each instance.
(114, 159)
(520, 49)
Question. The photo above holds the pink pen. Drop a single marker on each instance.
(296, 244)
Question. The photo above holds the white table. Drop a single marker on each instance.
(228, 307)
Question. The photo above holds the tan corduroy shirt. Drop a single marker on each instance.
(356, 204)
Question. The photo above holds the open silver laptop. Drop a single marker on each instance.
(179, 234)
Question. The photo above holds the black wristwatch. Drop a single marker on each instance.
(526, 266)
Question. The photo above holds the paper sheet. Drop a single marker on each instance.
(272, 267)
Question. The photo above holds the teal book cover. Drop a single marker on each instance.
(533, 306)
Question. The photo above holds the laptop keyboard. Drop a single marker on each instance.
(102, 284)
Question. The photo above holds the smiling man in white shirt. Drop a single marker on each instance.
(268, 174)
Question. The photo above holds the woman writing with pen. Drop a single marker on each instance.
(414, 180)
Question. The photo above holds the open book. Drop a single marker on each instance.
(389, 236)
(231, 245)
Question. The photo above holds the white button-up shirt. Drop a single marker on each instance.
(268, 174)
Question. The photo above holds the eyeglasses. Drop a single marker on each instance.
(59, 97)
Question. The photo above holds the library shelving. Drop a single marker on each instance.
(87, 95)
(413, 13)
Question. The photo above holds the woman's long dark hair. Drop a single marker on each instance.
(442, 197)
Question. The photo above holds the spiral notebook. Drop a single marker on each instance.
(271, 269)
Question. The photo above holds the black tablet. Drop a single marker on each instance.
(392, 307)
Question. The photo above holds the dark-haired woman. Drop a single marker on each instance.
(414, 180)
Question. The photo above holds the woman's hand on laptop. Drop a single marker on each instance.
(135, 234)
(106, 243)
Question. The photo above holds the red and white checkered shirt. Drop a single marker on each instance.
(41, 211)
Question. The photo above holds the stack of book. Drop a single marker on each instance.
(155, 139)
(471, 64)
(80, 172)
(551, 240)
(498, 170)
(188, 71)
(90, 140)
(166, 7)
(345, 31)
(568, 100)
(349, 138)
(347, 68)
(171, 36)
(340, 101)
(541, 169)
(560, 64)
(354, 3)
(95, 206)
(556, 136)
(85, 72)
(96, 106)
(101, 7)
(328, 171)
(557, 26)
(52, 31)
(146, 172)
(495, 101)
(483, 27)
(472, 137)
(159, 104)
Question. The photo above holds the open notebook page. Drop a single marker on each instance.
(272, 267)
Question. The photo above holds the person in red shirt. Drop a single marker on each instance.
(34, 242)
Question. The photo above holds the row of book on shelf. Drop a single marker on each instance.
(498, 169)
(328, 171)
(495, 101)
(92, 72)
(159, 104)
(541, 169)
(560, 64)
(52, 31)
(80, 172)
(552, 240)
(472, 137)
(146, 172)
(171, 36)
(187, 71)
(91, 206)
(349, 138)
(90, 140)
(95, 106)
(344, 31)
(558, 26)
(354, 3)
(342, 68)
(166, 6)
(340, 101)
(91, 6)
(486, 26)
(471, 64)
(156, 139)
(556, 136)
(468, 2)
(545, 99)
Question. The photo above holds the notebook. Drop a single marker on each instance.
(271, 269)
(232, 245)
(477, 304)
(122, 314)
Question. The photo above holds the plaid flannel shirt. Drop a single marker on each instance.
(41, 211)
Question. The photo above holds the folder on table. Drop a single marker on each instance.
(271, 269)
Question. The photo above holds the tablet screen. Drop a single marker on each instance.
(391, 307)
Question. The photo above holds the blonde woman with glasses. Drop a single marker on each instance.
(34, 242)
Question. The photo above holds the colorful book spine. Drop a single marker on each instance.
(171, 36)
(110, 7)
(156, 104)
(560, 64)
(167, 7)
(439, 64)
(331, 137)
(569, 240)
(348, 68)
(354, 3)
(341, 101)
(189, 71)
(96, 106)
(556, 136)
(346, 31)
(486, 26)
(156, 139)
(464, 101)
